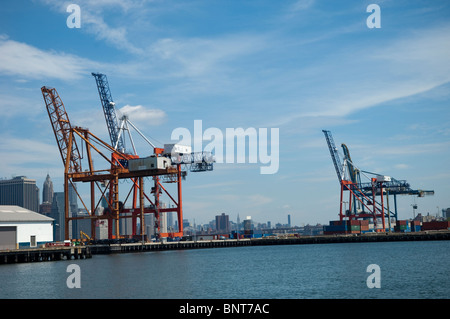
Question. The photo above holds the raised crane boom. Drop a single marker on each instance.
(62, 129)
(104, 92)
(334, 154)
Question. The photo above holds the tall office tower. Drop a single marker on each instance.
(248, 229)
(47, 197)
(222, 223)
(289, 220)
(57, 213)
(20, 191)
(47, 190)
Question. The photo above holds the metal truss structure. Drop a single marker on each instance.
(117, 170)
(367, 200)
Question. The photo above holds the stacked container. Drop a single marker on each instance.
(364, 225)
(346, 227)
(435, 225)
(402, 226)
(335, 227)
(354, 226)
(416, 226)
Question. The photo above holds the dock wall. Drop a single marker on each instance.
(44, 254)
(303, 240)
(83, 252)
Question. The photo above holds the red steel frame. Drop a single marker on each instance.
(369, 203)
(65, 137)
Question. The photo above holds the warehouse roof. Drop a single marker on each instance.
(20, 214)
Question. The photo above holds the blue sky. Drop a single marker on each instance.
(299, 66)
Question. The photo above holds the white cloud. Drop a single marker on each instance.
(27, 156)
(143, 115)
(401, 166)
(26, 61)
(94, 24)
(15, 105)
(342, 84)
(302, 5)
(258, 199)
(92, 20)
(200, 56)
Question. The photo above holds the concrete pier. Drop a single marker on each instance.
(83, 252)
(44, 254)
(302, 240)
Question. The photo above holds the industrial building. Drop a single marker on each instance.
(23, 228)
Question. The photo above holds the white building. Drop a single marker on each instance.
(23, 228)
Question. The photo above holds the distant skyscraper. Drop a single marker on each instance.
(47, 197)
(47, 190)
(58, 214)
(222, 223)
(20, 191)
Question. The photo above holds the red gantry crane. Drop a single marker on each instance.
(179, 156)
(368, 200)
(120, 166)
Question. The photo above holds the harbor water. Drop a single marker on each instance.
(406, 270)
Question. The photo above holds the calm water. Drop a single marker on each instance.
(408, 270)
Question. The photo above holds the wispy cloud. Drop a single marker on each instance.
(117, 37)
(93, 22)
(28, 62)
(193, 57)
(142, 115)
(301, 5)
(397, 68)
(28, 156)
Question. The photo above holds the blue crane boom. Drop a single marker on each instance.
(117, 141)
(334, 154)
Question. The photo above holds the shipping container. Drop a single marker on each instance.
(416, 228)
(364, 222)
(435, 225)
(383, 178)
(337, 222)
(149, 163)
(177, 149)
(335, 228)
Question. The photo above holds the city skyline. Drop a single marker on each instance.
(298, 66)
